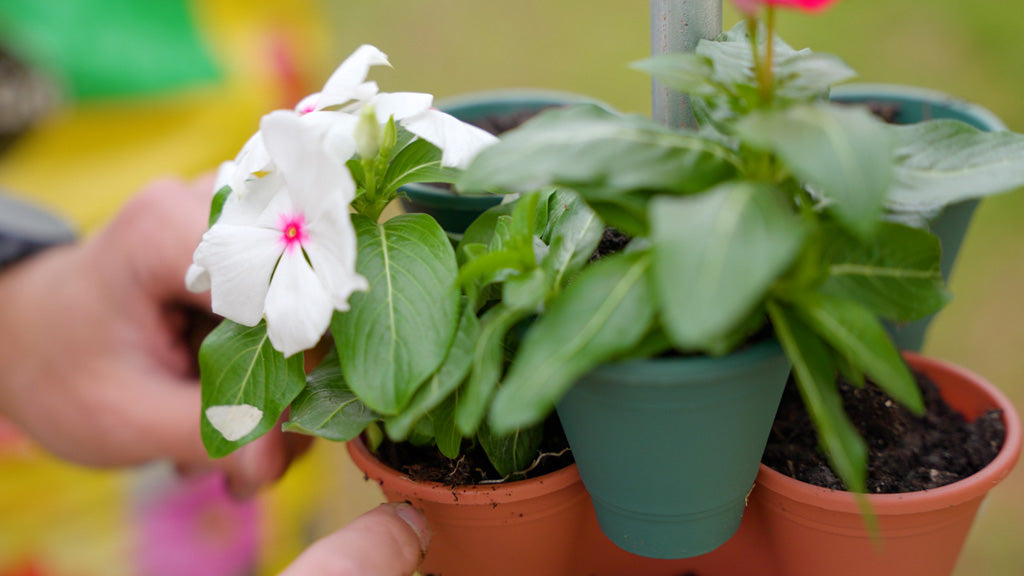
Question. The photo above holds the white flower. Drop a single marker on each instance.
(288, 253)
(348, 91)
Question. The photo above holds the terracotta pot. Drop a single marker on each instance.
(515, 528)
(817, 531)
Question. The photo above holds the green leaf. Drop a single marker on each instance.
(575, 232)
(586, 145)
(626, 212)
(446, 434)
(857, 334)
(443, 382)
(606, 311)
(488, 362)
(526, 291)
(689, 73)
(420, 161)
(809, 76)
(896, 274)
(326, 407)
(217, 204)
(941, 162)
(238, 365)
(513, 452)
(815, 373)
(844, 153)
(398, 333)
(716, 255)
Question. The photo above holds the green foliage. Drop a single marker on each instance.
(602, 314)
(398, 334)
(777, 214)
(327, 407)
(716, 255)
(239, 366)
(775, 211)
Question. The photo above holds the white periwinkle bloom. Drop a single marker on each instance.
(347, 90)
(284, 248)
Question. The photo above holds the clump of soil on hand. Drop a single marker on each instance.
(906, 453)
(428, 464)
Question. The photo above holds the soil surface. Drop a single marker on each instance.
(906, 453)
(427, 464)
(612, 241)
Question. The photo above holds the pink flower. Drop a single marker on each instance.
(197, 528)
(751, 7)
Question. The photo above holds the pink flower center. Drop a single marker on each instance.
(293, 230)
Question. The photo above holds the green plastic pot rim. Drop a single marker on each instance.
(682, 367)
(971, 488)
(474, 495)
(513, 96)
(524, 97)
(870, 91)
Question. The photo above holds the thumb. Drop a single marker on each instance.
(389, 540)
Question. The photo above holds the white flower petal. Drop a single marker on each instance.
(401, 105)
(234, 422)
(298, 308)
(239, 261)
(298, 146)
(332, 251)
(459, 142)
(308, 104)
(347, 81)
(197, 279)
(225, 175)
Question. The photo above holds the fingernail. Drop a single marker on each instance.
(415, 519)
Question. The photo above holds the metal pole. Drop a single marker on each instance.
(677, 26)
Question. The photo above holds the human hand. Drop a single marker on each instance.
(96, 363)
(390, 540)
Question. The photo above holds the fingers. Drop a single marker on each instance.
(158, 232)
(387, 541)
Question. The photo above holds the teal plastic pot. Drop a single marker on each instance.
(455, 212)
(669, 448)
(911, 105)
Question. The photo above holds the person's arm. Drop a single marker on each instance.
(95, 363)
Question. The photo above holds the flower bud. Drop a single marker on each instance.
(367, 133)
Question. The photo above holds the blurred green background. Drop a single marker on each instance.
(967, 49)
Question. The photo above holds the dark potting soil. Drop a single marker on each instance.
(428, 464)
(612, 241)
(906, 453)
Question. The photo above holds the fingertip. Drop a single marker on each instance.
(416, 521)
(389, 540)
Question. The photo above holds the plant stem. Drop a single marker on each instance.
(764, 66)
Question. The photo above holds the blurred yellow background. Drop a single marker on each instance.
(449, 47)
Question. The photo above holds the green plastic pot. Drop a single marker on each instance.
(455, 212)
(669, 448)
(913, 105)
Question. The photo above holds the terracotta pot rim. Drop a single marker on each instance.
(973, 487)
(480, 494)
